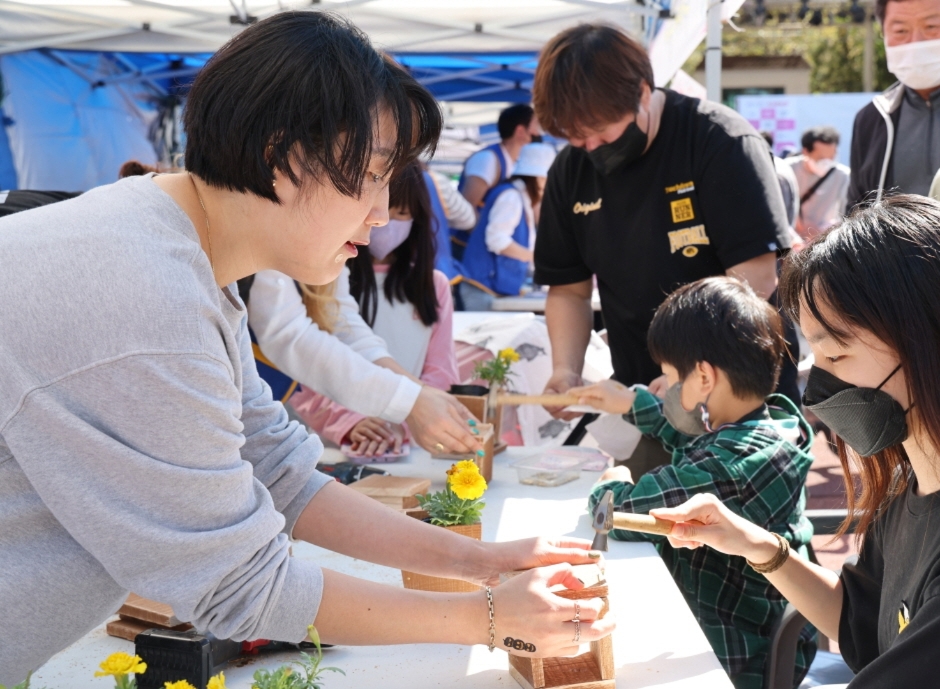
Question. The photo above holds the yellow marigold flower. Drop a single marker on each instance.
(182, 684)
(509, 354)
(467, 485)
(120, 664)
(464, 465)
(217, 682)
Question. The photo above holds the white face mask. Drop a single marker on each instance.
(917, 64)
(820, 167)
(385, 239)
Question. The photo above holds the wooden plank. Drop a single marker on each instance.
(379, 486)
(127, 628)
(147, 610)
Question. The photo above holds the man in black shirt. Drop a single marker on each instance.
(655, 191)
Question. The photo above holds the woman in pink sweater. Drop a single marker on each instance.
(407, 303)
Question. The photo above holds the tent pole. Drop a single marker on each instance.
(713, 51)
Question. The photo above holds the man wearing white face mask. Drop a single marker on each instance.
(896, 140)
(823, 182)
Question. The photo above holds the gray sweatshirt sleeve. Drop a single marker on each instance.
(159, 494)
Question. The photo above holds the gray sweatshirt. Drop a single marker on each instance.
(139, 449)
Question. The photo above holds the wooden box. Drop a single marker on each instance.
(591, 670)
(395, 491)
(478, 405)
(486, 461)
(423, 582)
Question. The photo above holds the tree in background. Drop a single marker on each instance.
(834, 51)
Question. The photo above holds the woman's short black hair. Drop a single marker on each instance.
(720, 320)
(302, 88)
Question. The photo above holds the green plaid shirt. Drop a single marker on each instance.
(757, 467)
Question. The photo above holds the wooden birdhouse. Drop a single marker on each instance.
(395, 491)
(591, 670)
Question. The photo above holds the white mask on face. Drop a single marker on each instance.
(822, 166)
(385, 239)
(916, 65)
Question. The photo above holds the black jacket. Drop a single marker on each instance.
(872, 144)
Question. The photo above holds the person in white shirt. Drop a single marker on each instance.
(500, 253)
(824, 183)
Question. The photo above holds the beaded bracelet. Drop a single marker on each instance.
(777, 561)
(489, 602)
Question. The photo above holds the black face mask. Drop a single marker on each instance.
(536, 138)
(869, 420)
(608, 158)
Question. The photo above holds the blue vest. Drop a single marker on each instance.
(443, 259)
(461, 237)
(493, 272)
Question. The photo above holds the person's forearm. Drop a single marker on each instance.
(759, 272)
(392, 365)
(358, 612)
(569, 318)
(342, 520)
(814, 591)
(518, 252)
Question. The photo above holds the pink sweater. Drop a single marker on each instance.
(333, 421)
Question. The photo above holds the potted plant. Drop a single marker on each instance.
(299, 674)
(457, 508)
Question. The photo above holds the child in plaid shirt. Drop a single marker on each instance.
(720, 347)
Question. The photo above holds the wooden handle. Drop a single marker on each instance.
(643, 523)
(543, 400)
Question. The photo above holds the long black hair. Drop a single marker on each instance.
(879, 271)
(411, 275)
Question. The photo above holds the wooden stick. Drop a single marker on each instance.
(543, 400)
(643, 523)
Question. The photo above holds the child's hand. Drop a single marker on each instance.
(608, 395)
(372, 436)
(617, 473)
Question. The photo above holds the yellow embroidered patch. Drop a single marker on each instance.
(687, 238)
(682, 210)
(904, 618)
(585, 208)
(683, 188)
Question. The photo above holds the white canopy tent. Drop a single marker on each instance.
(200, 26)
(85, 54)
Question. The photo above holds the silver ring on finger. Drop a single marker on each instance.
(577, 632)
(577, 612)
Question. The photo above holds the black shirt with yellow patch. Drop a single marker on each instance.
(890, 626)
(702, 199)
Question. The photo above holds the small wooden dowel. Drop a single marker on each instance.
(544, 400)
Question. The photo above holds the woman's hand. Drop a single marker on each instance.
(527, 611)
(439, 419)
(608, 395)
(704, 520)
(372, 436)
(510, 556)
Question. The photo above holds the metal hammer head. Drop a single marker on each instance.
(603, 520)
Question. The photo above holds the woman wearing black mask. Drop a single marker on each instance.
(865, 295)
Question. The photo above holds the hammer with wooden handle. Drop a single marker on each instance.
(606, 519)
(495, 398)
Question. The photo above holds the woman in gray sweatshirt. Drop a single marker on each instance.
(140, 451)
